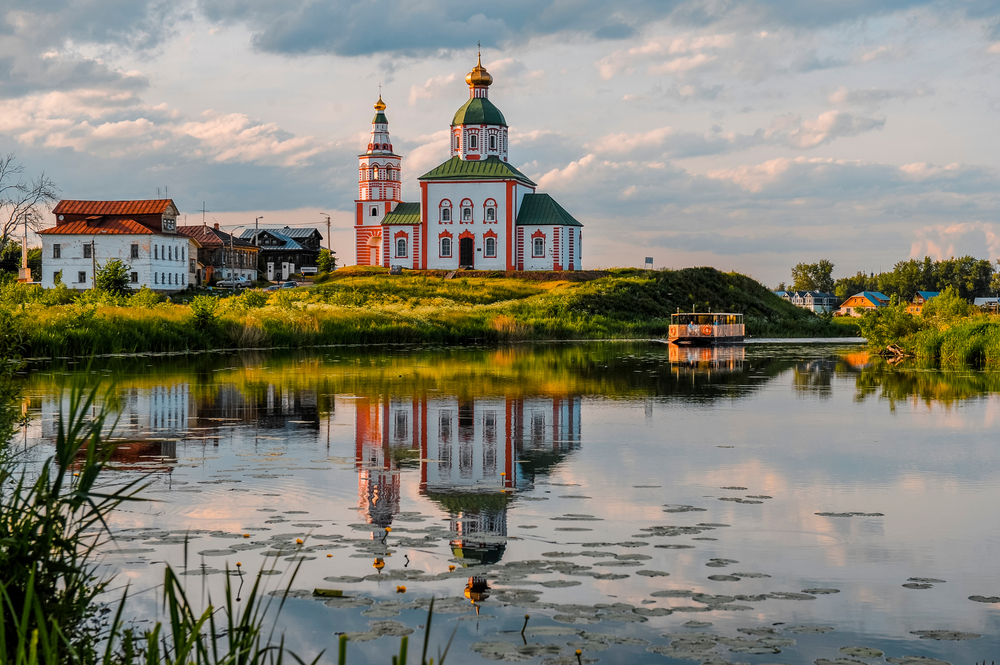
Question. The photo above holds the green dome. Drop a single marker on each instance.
(478, 111)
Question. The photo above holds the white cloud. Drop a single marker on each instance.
(793, 131)
(685, 45)
(942, 241)
(843, 96)
(433, 88)
(754, 178)
(235, 137)
(682, 65)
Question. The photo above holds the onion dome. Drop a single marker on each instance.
(479, 76)
(380, 111)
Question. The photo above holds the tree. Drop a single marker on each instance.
(995, 282)
(20, 199)
(326, 262)
(113, 277)
(813, 276)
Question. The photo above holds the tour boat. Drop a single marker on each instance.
(705, 329)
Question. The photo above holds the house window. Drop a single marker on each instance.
(374, 211)
(473, 142)
(156, 278)
(491, 215)
(445, 214)
(445, 247)
(182, 253)
(134, 277)
(135, 252)
(466, 214)
(538, 247)
(401, 247)
(156, 251)
(81, 277)
(56, 251)
(88, 251)
(170, 253)
(491, 247)
(493, 142)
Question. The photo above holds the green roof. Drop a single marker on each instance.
(380, 117)
(478, 111)
(542, 210)
(490, 168)
(404, 213)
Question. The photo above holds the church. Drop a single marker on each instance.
(476, 211)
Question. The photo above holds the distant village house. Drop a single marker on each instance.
(285, 251)
(917, 305)
(222, 255)
(857, 304)
(815, 301)
(142, 234)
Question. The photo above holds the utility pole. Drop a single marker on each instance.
(329, 247)
(203, 211)
(25, 273)
(93, 260)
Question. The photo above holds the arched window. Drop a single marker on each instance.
(493, 142)
(491, 247)
(374, 211)
(473, 141)
(156, 278)
(156, 251)
(466, 214)
(445, 246)
(491, 215)
(375, 175)
(445, 214)
(538, 247)
(401, 248)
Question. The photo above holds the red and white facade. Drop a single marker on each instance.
(470, 209)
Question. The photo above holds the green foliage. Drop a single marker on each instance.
(203, 311)
(813, 277)
(113, 278)
(326, 262)
(946, 308)
(970, 277)
(51, 523)
(883, 326)
(145, 298)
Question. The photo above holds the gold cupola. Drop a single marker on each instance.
(479, 77)
(380, 105)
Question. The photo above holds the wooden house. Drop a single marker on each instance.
(917, 305)
(859, 302)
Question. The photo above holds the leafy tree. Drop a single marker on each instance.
(847, 286)
(781, 287)
(946, 308)
(326, 262)
(887, 325)
(995, 282)
(113, 278)
(813, 276)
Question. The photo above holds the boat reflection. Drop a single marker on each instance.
(698, 359)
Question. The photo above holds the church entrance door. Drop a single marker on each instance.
(466, 252)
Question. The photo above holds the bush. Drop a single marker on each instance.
(883, 326)
(203, 311)
(113, 277)
(946, 308)
(145, 298)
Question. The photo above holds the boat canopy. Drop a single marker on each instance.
(706, 319)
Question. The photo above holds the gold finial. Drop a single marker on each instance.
(379, 105)
(479, 76)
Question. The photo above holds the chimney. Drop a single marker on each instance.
(216, 226)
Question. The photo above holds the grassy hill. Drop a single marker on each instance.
(369, 306)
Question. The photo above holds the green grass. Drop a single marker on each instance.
(371, 307)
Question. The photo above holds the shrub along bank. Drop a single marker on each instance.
(367, 307)
(949, 330)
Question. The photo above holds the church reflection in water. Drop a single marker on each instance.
(472, 454)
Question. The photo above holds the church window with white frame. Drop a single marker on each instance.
(493, 142)
(445, 247)
(401, 248)
(473, 141)
(445, 215)
(491, 248)
(538, 247)
(374, 211)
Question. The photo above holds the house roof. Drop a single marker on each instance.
(289, 231)
(151, 207)
(979, 302)
(210, 237)
(289, 243)
(490, 168)
(927, 295)
(542, 210)
(478, 111)
(874, 297)
(404, 213)
(97, 225)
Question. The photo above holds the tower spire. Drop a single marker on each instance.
(479, 79)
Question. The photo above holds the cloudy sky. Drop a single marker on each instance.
(745, 135)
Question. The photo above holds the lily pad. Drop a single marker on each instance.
(850, 514)
(737, 499)
(751, 575)
(985, 599)
(560, 584)
(809, 630)
(926, 580)
(916, 660)
(675, 508)
(861, 652)
(720, 563)
(821, 591)
(914, 585)
(652, 573)
(697, 624)
(723, 578)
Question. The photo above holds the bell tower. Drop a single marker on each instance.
(379, 188)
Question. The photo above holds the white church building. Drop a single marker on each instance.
(475, 210)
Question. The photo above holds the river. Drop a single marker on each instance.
(773, 503)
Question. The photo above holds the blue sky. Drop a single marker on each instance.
(745, 135)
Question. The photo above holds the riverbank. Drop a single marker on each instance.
(372, 307)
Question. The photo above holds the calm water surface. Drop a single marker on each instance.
(760, 504)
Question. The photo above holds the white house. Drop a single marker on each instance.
(142, 234)
(475, 209)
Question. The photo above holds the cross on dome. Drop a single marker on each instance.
(479, 79)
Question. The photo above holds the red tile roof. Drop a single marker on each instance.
(208, 236)
(153, 207)
(98, 226)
